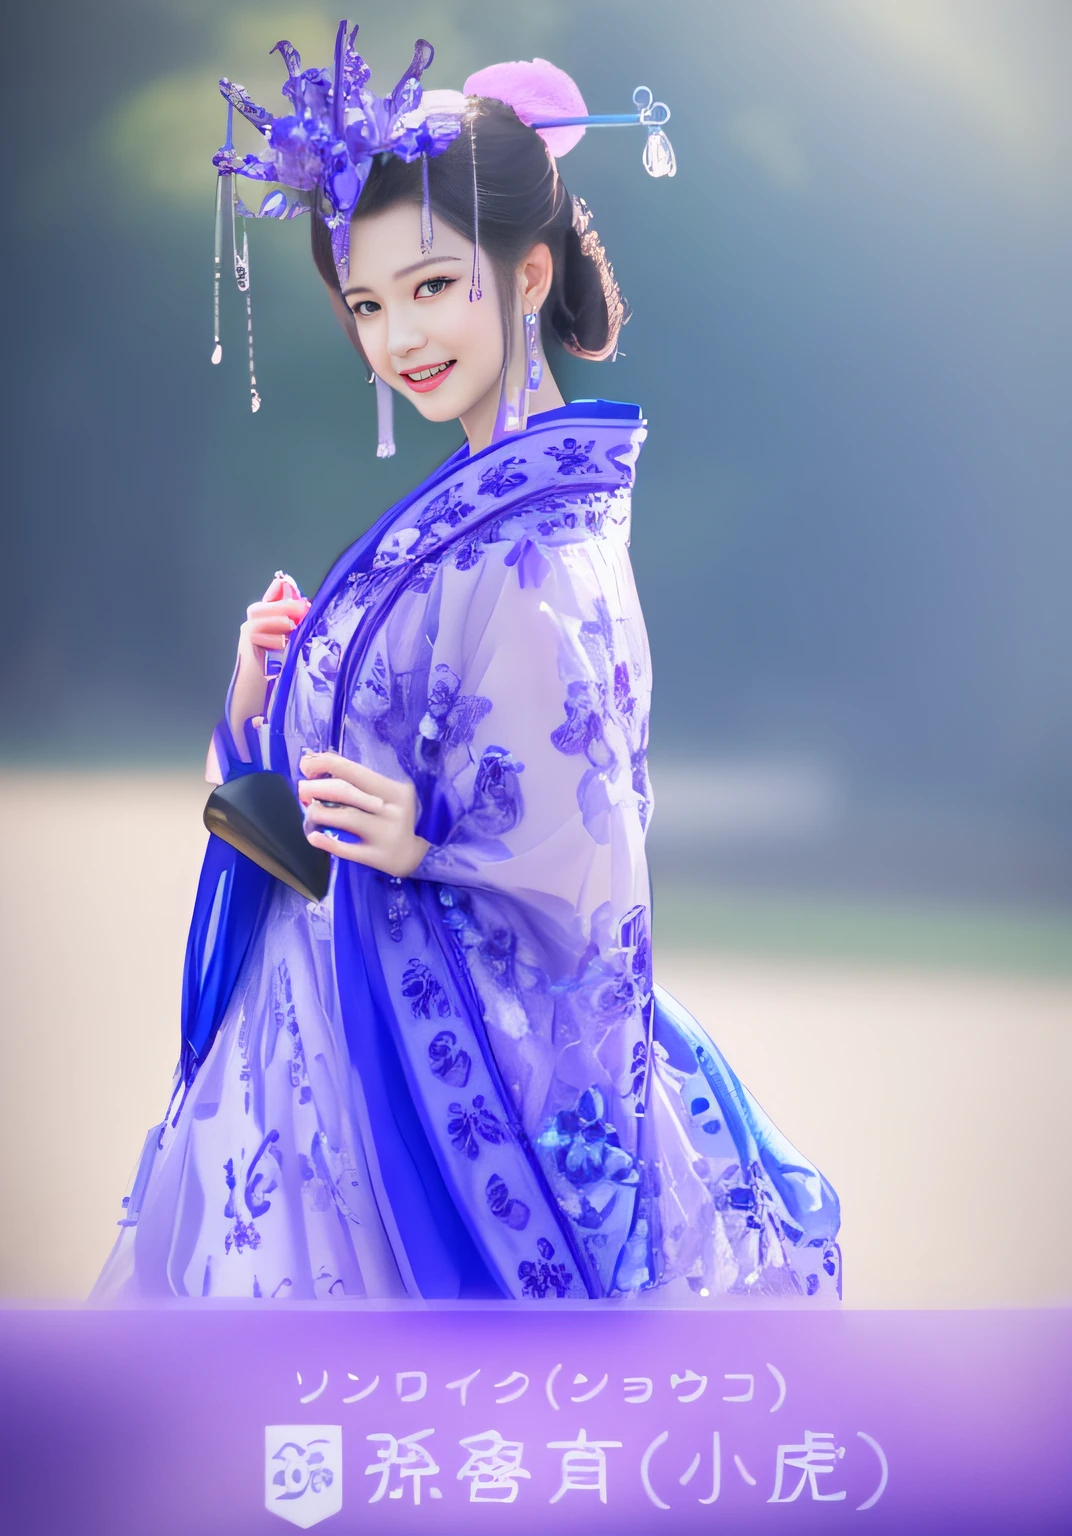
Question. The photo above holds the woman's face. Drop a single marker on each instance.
(414, 319)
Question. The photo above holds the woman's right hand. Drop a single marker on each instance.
(268, 626)
(270, 622)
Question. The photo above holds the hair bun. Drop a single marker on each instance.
(535, 90)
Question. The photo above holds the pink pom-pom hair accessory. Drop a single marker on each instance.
(548, 100)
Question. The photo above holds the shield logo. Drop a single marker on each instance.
(303, 1472)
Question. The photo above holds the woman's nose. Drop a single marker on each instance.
(404, 336)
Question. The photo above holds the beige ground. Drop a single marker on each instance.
(937, 1106)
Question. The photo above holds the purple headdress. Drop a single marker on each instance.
(323, 149)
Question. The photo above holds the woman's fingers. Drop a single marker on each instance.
(312, 791)
(357, 853)
(293, 609)
(366, 824)
(390, 791)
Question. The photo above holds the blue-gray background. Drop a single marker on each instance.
(851, 337)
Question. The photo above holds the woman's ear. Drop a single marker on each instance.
(534, 275)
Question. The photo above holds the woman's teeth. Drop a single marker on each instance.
(420, 374)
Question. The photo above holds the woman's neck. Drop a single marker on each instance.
(478, 424)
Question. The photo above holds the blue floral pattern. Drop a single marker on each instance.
(468, 1127)
(425, 994)
(448, 1063)
(572, 458)
(502, 478)
(540, 1276)
(585, 1145)
(514, 1213)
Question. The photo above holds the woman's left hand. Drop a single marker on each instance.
(381, 812)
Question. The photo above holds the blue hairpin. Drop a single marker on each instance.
(659, 159)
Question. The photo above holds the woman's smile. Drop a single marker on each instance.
(424, 379)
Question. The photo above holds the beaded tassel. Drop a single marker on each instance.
(241, 269)
(217, 349)
(474, 287)
(426, 211)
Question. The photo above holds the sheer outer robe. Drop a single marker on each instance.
(544, 1122)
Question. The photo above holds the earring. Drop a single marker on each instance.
(385, 419)
(534, 371)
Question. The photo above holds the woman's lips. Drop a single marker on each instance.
(434, 376)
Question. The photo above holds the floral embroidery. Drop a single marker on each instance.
(497, 805)
(624, 701)
(398, 907)
(572, 458)
(448, 507)
(515, 1213)
(499, 479)
(638, 1068)
(585, 1145)
(583, 725)
(243, 1234)
(452, 717)
(423, 577)
(468, 554)
(451, 1066)
(322, 661)
(466, 1125)
(376, 681)
(424, 991)
(540, 1276)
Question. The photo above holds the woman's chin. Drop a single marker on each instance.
(447, 403)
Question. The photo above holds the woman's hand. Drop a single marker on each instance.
(270, 622)
(267, 627)
(381, 812)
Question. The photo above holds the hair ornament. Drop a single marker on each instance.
(318, 155)
(323, 148)
(535, 90)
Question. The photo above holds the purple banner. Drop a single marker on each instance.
(218, 1419)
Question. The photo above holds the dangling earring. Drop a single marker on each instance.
(534, 373)
(385, 419)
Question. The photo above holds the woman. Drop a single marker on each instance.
(454, 1077)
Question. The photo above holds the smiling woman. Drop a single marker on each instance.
(454, 1076)
(540, 258)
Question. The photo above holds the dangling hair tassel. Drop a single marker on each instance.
(474, 287)
(426, 211)
(241, 268)
(385, 419)
(217, 349)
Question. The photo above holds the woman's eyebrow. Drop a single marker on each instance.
(427, 261)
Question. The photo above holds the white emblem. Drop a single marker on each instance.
(303, 1472)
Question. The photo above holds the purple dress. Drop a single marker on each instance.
(465, 1083)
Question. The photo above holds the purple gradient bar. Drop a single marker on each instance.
(131, 1422)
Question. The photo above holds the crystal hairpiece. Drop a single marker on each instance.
(323, 149)
(659, 158)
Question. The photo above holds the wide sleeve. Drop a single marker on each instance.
(514, 691)
(535, 734)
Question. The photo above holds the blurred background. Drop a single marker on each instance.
(853, 343)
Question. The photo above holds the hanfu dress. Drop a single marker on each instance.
(464, 1083)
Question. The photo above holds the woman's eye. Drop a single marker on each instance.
(366, 307)
(433, 285)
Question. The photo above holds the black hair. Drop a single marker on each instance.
(520, 201)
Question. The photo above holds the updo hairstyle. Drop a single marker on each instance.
(521, 201)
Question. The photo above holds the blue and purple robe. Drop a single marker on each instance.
(464, 1083)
